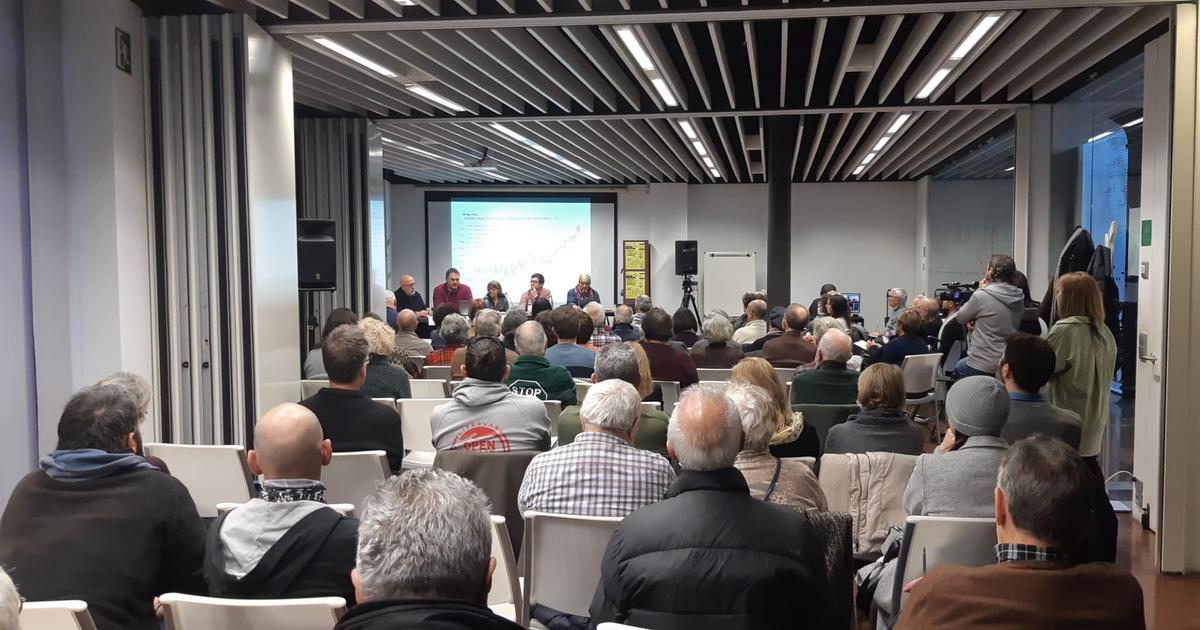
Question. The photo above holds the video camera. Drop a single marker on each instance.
(689, 284)
(957, 292)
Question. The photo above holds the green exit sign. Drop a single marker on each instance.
(124, 52)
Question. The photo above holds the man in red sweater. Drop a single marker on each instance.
(1043, 505)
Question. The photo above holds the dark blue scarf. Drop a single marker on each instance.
(86, 464)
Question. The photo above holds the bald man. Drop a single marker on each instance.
(791, 349)
(287, 542)
(407, 297)
(406, 334)
(583, 293)
(756, 324)
(831, 383)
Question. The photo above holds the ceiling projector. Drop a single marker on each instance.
(484, 163)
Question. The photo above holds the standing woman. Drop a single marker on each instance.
(1087, 355)
(496, 300)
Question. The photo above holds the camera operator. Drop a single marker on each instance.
(992, 313)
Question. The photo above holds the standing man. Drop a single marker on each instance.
(583, 293)
(537, 291)
(452, 291)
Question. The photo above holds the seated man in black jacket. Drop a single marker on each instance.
(286, 543)
(710, 555)
(424, 557)
(99, 523)
(349, 419)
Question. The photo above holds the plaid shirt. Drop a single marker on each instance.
(441, 357)
(601, 338)
(596, 475)
(1006, 552)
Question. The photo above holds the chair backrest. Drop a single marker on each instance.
(785, 374)
(952, 357)
(824, 417)
(581, 390)
(67, 614)
(415, 424)
(389, 402)
(651, 406)
(553, 411)
(352, 476)
(345, 509)
(714, 374)
(670, 393)
(192, 612)
(930, 541)
(212, 473)
(428, 387)
(562, 560)
(310, 386)
(506, 587)
(440, 372)
(499, 475)
(920, 372)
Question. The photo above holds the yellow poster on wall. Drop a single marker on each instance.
(635, 255)
(635, 283)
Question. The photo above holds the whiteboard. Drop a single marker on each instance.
(725, 277)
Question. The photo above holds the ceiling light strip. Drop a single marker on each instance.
(353, 56)
(544, 151)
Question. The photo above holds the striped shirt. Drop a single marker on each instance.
(1006, 552)
(601, 338)
(598, 474)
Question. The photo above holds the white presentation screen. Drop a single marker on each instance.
(508, 238)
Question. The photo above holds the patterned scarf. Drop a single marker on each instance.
(290, 490)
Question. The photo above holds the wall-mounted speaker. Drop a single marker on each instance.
(686, 261)
(316, 254)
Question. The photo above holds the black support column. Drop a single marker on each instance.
(779, 137)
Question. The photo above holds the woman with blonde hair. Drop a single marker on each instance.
(881, 426)
(384, 380)
(791, 483)
(791, 438)
(645, 386)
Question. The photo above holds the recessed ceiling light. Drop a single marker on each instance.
(709, 163)
(665, 92)
(700, 148)
(630, 39)
(882, 143)
(353, 56)
(715, 172)
(934, 82)
(975, 36)
(591, 175)
(1100, 136)
(429, 95)
(860, 169)
(867, 160)
(898, 123)
(1132, 123)
(687, 129)
(1010, 169)
(406, 3)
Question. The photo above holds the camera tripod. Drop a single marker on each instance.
(689, 298)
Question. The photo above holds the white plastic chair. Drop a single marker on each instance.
(553, 411)
(505, 597)
(345, 509)
(581, 390)
(920, 377)
(428, 387)
(415, 414)
(561, 559)
(67, 614)
(212, 473)
(714, 374)
(309, 387)
(438, 372)
(192, 612)
(650, 406)
(930, 541)
(352, 476)
(670, 393)
(390, 402)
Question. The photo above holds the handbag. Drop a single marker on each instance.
(867, 578)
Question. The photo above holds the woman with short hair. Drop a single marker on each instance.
(384, 380)
(683, 324)
(783, 482)
(881, 425)
(715, 349)
(495, 298)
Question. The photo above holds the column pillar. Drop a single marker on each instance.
(780, 144)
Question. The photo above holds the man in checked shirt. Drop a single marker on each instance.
(600, 473)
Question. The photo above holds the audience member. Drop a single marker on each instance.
(349, 418)
(881, 425)
(10, 604)
(791, 349)
(831, 383)
(1043, 492)
(407, 297)
(567, 352)
(483, 414)
(950, 334)
(756, 324)
(747, 298)
(583, 338)
(601, 334)
(1029, 318)
(439, 316)
(785, 482)
(406, 336)
(545, 319)
(993, 313)
(641, 305)
(389, 301)
(384, 380)
(487, 324)
(454, 331)
(684, 325)
(540, 306)
(583, 293)
(819, 327)
(142, 396)
(897, 302)
(495, 298)
(97, 522)
(817, 307)
(474, 309)
(599, 472)
(790, 437)
(623, 324)
(774, 331)
(645, 385)
(508, 327)
(287, 542)
(666, 363)
(620, 362)
(931, 319)
(314, 368)
(674, 564)
(909, 339)
(1086, 357)
(532, 375)
(715, 349)
(537, 291)
(425, 557)
(839, 308)
(1026, 366)
(452, 291)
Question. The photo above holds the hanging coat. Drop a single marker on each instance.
(1076, 256)
(1101, 269)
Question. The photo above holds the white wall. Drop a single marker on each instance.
(658, 213)
(711, 213)
(406, 206)
(18, 449)
(969, 220)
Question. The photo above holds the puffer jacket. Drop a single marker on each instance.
(710, 556)
(870, 486)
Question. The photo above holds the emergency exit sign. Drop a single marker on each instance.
(124, 52)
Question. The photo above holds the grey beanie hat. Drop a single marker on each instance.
(977, 405)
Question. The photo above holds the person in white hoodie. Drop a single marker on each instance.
(993, 313)
(484, 415)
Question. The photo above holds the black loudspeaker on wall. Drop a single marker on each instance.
(685, 258)
(316, 254)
